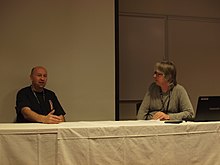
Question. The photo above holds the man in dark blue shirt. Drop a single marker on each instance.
(36, 103)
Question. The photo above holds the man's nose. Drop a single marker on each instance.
(42, 78)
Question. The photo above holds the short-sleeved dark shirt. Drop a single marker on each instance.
(38, 102)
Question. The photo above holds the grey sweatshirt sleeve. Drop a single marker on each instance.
(181, 107)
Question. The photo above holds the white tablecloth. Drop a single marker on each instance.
(28, 144)
(110, 143)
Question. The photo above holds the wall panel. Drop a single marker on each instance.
(194, 45)
(142, 43)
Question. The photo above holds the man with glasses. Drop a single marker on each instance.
(165, 99)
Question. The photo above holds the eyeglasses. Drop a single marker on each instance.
(158, 73)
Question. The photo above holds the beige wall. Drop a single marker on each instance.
(191, 39)
(74, 40)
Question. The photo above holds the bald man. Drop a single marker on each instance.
(37, 104)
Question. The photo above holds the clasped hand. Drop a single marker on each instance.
(161, 116)
(52, 119)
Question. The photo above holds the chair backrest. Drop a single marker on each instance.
(138, 106)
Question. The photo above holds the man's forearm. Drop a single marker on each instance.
(31, 115)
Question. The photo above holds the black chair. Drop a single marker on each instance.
(138, 106)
